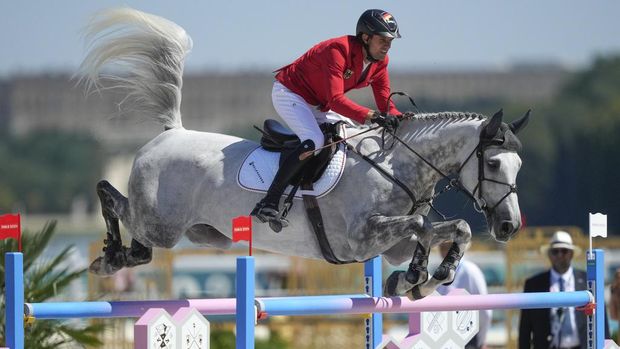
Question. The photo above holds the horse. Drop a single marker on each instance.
(183, 182)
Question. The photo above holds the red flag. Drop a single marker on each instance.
(10, 227)
(242, 230)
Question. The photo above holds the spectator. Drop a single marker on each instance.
(557, 327)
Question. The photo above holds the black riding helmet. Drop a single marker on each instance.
(376, 22)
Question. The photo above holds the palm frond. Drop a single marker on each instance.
(45, 279)
(35, 244)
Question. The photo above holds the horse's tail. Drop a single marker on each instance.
(150, 49)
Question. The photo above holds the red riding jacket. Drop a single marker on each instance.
(323, 74)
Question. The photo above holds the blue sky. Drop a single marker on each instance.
(39, 36)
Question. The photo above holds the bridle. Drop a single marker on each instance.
(483, 144)
(480, 204)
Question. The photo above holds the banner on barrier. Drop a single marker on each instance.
(10, 228)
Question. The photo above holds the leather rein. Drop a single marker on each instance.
(480, 204)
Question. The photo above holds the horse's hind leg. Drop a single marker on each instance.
(137, 254)
(112, 203)
(116, 256)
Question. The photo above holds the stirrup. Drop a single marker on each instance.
(265, 212)
(278, 223)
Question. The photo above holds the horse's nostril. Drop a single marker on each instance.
(507, 227)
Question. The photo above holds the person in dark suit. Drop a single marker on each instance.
(563, 328)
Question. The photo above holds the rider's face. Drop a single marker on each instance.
(378, 45)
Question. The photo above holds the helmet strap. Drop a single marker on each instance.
(369, 57)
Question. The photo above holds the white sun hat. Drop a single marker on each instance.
(561, 239)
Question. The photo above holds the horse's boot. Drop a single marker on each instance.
(268, 208)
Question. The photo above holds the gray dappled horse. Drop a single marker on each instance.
(183, 182)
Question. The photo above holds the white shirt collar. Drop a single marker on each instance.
(555, 276)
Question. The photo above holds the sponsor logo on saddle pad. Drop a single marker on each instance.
(260, 167)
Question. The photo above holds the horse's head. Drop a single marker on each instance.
(490, 174)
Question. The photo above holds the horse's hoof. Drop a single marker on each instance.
(391, 283)
(416, 277)
(133, 259)
(101, 268)
(396, 284)
(415, 293)
(445, 274)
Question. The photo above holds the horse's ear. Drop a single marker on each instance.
(517, 125)
(490, 130)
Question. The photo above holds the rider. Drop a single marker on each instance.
(310, 91)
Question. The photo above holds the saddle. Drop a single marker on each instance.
(278, 138)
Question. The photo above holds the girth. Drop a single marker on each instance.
(313, 211)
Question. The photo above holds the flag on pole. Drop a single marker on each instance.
(10, 228)
(598, 225)
(242, 230)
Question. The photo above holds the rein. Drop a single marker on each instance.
(480, 204)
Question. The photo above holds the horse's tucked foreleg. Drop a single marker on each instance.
(457, 231)
(401, 227)
(403, 282)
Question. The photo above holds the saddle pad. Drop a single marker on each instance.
(260, 166)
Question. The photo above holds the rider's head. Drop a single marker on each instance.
(376, 29)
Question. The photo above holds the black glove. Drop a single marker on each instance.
(389, 122)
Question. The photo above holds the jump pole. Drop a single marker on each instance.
(337, 304)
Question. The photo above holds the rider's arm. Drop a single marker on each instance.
(333, 68)
(381, 88)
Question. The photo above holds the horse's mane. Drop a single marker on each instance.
(449, 115)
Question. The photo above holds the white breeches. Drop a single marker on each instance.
(301, 117)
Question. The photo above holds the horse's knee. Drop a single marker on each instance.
(463, 231)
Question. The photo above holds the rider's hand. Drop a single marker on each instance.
(389, 122)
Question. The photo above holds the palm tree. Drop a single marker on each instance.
(44, 280)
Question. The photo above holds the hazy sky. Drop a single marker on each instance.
(36, 36)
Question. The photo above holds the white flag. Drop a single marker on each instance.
(598, 225)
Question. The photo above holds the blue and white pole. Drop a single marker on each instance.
(14, 283)
(373, 324)
(596, 286)
(246, 311)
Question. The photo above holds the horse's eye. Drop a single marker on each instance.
(493, 164)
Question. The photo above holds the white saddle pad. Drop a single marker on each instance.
(260, 166)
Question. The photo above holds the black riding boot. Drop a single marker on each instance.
(268, 208)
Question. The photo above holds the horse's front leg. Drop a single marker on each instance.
(403, 282)
(457, 231)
